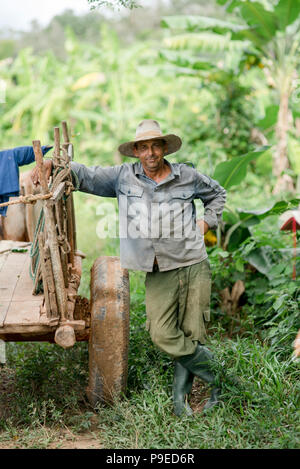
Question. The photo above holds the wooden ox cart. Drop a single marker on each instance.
(39, 284)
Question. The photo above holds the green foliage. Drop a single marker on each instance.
(259, 398)
(237, 223)
(268, 38)
(270, 118)
(7, 48)
(263, 22)
(231, 173)
(214, 60)
(197, 88)
(48, 382)
(199, 23)
(113, 4)
(269, 308)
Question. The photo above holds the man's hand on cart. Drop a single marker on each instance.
(48, 166)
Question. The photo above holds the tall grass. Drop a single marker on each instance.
(259, 407)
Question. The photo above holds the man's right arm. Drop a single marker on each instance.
(93, 180)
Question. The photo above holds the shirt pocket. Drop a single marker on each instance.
(180, 207)
(184, 195)
(130, 190)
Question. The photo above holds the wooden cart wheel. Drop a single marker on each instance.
(109, 331)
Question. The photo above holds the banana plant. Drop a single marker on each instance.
(112, 4)
(271, 34)
(237, 222)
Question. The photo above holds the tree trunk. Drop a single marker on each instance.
(281, 163)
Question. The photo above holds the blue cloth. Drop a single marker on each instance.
(10, 160)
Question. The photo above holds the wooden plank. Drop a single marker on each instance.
(23, 289)
(29, 330)
(50, 283)
(7, 245)
(3, 311)
(58, 193)
(10, 274)
(6, 292)
(17, 304)
(44, 274)
(3, 260)
(23, 313)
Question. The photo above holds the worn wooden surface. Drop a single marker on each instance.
(18, 307)
(58, 264)
(20, 311)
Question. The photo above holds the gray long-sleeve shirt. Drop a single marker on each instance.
(156, 219)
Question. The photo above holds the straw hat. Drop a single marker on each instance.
(149, 129)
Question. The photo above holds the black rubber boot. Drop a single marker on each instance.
(214, 398)
(199, 363)
(182, 386)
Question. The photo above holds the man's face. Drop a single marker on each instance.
(151, 153)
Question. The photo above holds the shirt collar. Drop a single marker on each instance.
(175, 169)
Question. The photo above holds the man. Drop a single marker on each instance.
(10, 160)
(159, 235)
(13, 226)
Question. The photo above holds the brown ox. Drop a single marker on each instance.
(20, 221)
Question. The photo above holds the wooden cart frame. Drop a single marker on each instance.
(39, 284)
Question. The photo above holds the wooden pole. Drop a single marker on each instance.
(44, 275)
(50, 283)
(71, 158)
(65, 131)
(56, 155)
(51, 237)
(40, 165)
(70, 202)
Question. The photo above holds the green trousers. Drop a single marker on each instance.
(177, 307)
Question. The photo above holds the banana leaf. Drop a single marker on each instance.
(185, 60)
(270, 118)
(264, 21)
(198, 23)
(231, 173)
(258, 258)
(252, 217)
(287, 11)
(239, 222)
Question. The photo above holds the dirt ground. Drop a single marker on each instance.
(64, 438)
(65, 441)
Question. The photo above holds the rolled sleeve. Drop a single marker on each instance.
(95, 179)
(213, 197)
(25, 155)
